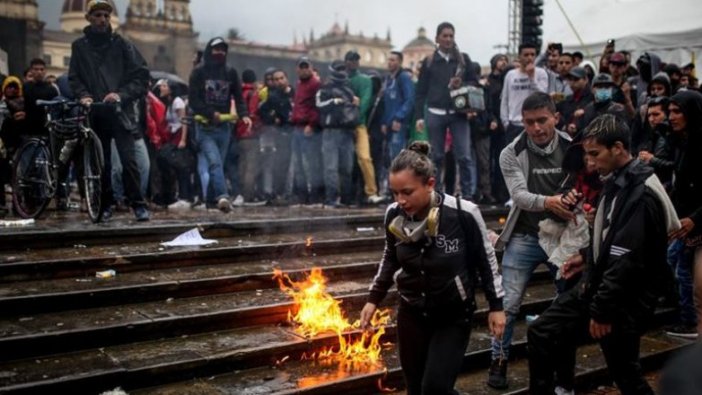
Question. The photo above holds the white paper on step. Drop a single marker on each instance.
(189, 238)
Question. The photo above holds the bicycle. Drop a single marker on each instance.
(36, 168)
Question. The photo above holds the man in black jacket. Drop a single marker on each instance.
(213, 86)
(37, 89)
(445, 70)
(275, 114)
(106, 67)
(625, 274)
(685, 116)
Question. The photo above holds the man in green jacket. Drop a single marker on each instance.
(362, 87)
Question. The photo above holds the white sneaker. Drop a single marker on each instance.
(238, 201)
(375, 199)
(563, 391)
(179, 205)
(223, 205)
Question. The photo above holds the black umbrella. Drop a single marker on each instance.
(177, 84)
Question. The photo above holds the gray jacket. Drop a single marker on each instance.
(514, 162)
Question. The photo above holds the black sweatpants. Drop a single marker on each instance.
(553, 338)
(432, 347)
(105, 123)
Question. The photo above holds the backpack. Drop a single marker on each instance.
(342, 115)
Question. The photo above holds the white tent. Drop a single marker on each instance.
(672, 29)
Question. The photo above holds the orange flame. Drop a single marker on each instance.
(318, 311)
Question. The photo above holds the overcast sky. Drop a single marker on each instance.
(480, 24)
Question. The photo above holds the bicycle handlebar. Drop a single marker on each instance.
(73, 103)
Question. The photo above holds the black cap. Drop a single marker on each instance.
(337, 65)
(352, 56)
(304, 60)
(603, 79)
(577, 72)
(218, 41)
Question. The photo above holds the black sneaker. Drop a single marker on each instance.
(106, 214)
(141, 214)
(682, 330)
(497, 376)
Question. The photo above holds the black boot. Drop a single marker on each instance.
(497, 376)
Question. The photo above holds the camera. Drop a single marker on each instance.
(467, 97)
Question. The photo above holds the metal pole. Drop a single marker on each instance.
(572, 27)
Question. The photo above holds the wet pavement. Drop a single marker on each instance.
(208, 320)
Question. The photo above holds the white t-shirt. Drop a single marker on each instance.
(517, 87)
(172, 118)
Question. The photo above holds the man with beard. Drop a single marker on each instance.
(106, 67)
(685, 253)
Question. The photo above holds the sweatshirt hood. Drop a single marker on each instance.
(661, 78)
(207, 55)
(10, 79)
(495, 59)
(690, 103)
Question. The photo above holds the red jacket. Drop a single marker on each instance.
(156, 126)
(305, 110)
(249, 92)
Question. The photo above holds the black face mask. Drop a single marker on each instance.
(219, 58)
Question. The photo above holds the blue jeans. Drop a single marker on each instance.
(462, 147)
(141, 154)
(522, 256)
(338, 150)
(397, 142)
(306, 162)
(213, 145)
(231, 167)
(681, 261)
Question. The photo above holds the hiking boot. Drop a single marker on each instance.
(682, 330)
(497, 375)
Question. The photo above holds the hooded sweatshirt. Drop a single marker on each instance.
(641, 81)
(213, 85)
(687, 188)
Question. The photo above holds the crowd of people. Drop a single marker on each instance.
(231, 140)
(600, 166)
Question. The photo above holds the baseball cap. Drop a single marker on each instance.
(602, 79)
(352, 56)
(577, 72)
(96, 5)
(218, 41)
(617, 58)
(304, 60)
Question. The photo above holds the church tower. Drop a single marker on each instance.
(21, 31)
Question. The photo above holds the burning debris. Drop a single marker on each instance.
(318, 311)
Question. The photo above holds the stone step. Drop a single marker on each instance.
(309, 377)
(139, 364)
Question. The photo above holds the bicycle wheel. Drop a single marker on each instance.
(33, 183)
(93, 167)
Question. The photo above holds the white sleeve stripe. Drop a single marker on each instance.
(474, 210)
(382, 260)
